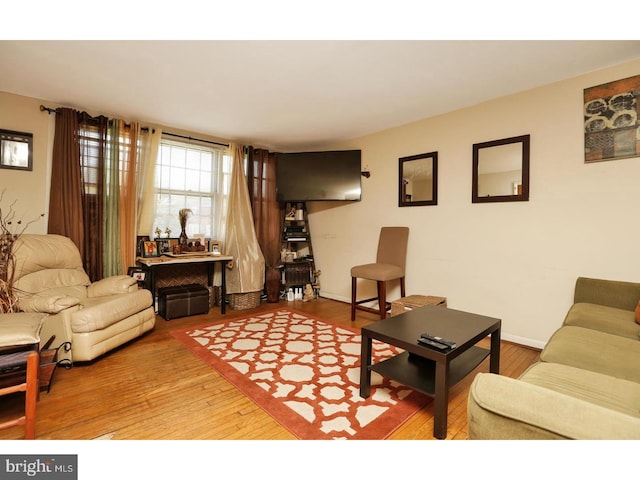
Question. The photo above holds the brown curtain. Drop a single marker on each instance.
(65, 198)
(267, 215)
(92, 148)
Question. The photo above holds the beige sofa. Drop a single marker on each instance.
(88, 319)
(587, 382)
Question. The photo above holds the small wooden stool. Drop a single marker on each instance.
(406, 304)
(27, 362)
(20, 364)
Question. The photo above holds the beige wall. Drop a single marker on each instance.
(30, 189)
(515, 261)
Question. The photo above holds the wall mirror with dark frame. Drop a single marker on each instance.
(418, 180)
(501, 170)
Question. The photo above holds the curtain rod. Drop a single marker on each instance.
(55, 110)
(196, 139)
(50, 110)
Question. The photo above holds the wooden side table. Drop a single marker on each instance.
(406, 304)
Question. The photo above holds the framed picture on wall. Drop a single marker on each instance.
(611, 120)
(16, 150)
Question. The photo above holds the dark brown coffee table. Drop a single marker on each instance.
(426, 369)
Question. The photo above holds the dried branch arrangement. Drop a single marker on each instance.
(10, 229)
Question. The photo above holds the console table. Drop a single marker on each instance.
(152, 264)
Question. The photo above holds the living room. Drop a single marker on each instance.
(576, 223)
(516, 261)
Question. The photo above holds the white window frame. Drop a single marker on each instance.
(205, 190)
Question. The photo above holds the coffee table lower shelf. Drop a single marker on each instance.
(419, 373)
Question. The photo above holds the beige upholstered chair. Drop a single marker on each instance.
(90, 318)
(389, 266)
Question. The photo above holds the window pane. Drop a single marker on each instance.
(191, 176)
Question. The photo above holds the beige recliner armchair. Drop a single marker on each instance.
(93, 317)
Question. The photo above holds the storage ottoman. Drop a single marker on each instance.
(182, 301)
(406, 304)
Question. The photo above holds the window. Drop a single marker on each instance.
(195, 176)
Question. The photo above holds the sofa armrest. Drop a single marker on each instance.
(112, 285)
(505, 408)
(610, 293)
(52, 304)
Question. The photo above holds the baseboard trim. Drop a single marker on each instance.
(527, 342)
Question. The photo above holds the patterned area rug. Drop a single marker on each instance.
(305, 373)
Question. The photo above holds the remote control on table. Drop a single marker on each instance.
(431, 343)
(433, 338)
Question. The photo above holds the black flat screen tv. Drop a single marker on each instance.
(310, 176)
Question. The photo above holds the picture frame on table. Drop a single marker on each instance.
(16, 150)
(215, 248)
(165, 245)
(140, 239)
(139, 274)
(150, 249)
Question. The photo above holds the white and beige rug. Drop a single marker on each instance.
(305, 373)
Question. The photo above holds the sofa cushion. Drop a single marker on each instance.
(605, 390)
(100, 312)
(595, 351)
(605, 319)
(611, 293)
(504, 408)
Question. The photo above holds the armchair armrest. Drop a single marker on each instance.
(48, 304)
(112, 285)
(505, 408)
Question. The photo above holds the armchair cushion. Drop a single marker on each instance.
(20, 328)
(44, 280)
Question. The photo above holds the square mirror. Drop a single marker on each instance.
(501, 170)
(418, 180)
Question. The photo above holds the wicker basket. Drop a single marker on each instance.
(244, 301)
(406, 304)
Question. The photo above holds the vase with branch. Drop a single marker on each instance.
(183, 216)
(10, 230)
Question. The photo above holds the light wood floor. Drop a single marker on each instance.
(154, 388)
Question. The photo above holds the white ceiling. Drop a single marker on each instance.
(291, 94)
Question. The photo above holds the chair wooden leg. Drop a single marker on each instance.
(31, 395)
(403, 293)
(382, 299)
(354, 282)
